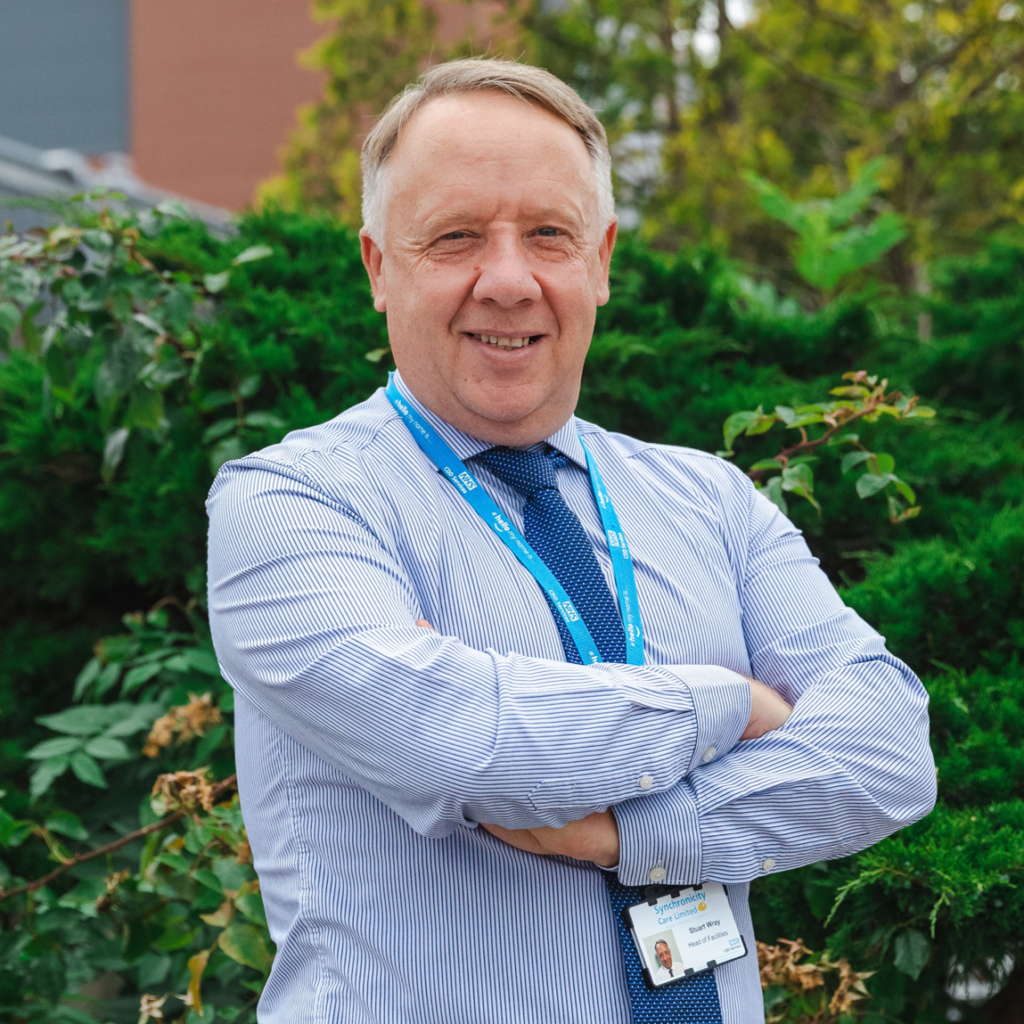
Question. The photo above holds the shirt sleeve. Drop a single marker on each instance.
(313, 619)
(852, 764)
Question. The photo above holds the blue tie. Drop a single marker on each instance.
(554, 532)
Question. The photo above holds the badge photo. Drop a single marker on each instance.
(681, 932)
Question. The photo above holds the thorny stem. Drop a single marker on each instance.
(100, 851)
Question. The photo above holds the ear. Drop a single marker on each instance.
(605, 257)
(373, 260)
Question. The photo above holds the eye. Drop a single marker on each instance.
(453, 236)
(547, 232)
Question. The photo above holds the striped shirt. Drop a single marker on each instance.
(368, 748)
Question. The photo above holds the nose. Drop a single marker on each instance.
(505, 276)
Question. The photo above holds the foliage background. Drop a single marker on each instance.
(137, 353)
(280, 339)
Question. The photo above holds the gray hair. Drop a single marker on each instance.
(478, 75)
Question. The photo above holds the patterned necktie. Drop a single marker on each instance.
(557, 536)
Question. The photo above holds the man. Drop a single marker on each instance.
(513, 777)
(665, 971)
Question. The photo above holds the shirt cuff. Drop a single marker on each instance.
(659, 838)
(721, 707)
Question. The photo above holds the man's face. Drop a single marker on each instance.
(492, 233)
(664, 955)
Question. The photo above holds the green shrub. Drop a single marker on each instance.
(158, 352)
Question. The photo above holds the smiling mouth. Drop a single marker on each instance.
(507, 344)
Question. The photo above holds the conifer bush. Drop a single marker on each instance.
(137, 354)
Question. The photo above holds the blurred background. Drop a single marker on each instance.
(824, 213)
(239, 102)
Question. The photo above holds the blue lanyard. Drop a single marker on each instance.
(438, 451)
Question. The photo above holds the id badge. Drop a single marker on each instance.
(681, 932)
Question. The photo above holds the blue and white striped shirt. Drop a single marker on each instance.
(368, 748)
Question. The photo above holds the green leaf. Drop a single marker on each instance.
(251, 904)
(82, 721)
(208, 744)
(851, 459)
(107, 748)
(805, 419)
(762, 425)
(245, 944)
(139, 675)
(134, 718)
(148, 322)
(231, 874)
(219, 429)
(108, 678)
(923, 412)
(215, 399)
(67, 824)
(766, 465)
(113, 452)
(43, 777)
(785, 413)
(376, 355)
(906, 490)
(174, 208)
(264, 419)
(13, 832)
(254, 252)
(216, 282)
(55, 747)
(870, 483)
(773, 492)
(145, 408)
(206, 877)
(87, 770)
(798, 478)
(886, 463)
(176, 935)
(228, 449)
(911, 950)
(736, 424)
(202, 660)
(88, 675)
(250, 386)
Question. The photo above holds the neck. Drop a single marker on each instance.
(537, 425)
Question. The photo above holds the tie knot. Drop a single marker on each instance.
(528, 471)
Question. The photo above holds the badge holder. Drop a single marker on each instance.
(681, 932)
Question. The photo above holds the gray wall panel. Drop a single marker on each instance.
(64, 73)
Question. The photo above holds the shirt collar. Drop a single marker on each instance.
(565, 440)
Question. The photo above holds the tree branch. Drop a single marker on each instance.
(140, 833)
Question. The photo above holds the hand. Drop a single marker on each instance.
(768, 711)
(594, 838)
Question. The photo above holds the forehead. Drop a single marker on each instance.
(489, 148)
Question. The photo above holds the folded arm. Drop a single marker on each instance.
(850, 766)
(314, 620)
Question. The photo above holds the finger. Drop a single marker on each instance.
(424, 624)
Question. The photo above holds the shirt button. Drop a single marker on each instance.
(708, 755)
(645, 781)
(768, 863)
(657, 874)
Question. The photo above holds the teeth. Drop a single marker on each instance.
(505, 343)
